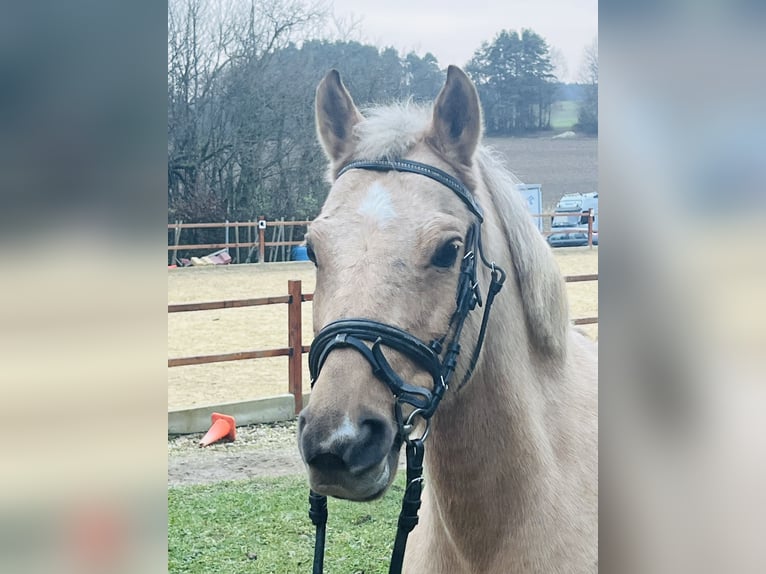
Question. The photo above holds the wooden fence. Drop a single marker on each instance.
(258, 240)
(255, 235)
(295, 347)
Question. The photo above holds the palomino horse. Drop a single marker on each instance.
(511, 457)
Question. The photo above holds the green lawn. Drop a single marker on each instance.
(564, 115)
(262, 526)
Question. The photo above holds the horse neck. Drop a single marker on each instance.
(489, 443)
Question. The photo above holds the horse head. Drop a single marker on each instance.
(398, 265)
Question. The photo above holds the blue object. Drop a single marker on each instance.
(300, 253)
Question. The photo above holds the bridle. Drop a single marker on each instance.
(358, 333)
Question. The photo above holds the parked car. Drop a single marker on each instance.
(574, 238)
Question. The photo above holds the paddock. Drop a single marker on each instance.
(265, 327)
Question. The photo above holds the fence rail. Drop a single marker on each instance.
(233, 224)
(295, 347)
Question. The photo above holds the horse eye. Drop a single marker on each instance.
(446, 255)
(310, 253)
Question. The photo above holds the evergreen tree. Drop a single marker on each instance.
(514, 77)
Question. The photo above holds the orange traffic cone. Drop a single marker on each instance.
(223, 427)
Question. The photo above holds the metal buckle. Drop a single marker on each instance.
(408, 426)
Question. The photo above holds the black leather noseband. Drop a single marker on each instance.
(355, 332)
(367, 337)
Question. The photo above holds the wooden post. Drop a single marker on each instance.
(249, 240)
(273, 250)
(261, 240)
(290, 240)
(236, 238)
(294, 341)
(177, 231)
(590, 228)
(282, 236)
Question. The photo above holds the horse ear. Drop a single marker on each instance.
(456, 126)
(336, 116)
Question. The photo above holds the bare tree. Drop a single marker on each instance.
(241, 82)
(589, 66)
(346, 28)
(559, 63)
(217, 52)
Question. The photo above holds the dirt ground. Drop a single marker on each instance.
(228, 330)
(259, 450)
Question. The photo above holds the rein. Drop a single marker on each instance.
(357, 333)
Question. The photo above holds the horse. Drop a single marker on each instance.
(511, 457)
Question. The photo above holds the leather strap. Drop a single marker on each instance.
(318, 515)
(354, 332)
(409, 166)
(408, 517)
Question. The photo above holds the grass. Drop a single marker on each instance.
(262, 526)
(564, 115)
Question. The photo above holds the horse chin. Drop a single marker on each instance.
(370, 486)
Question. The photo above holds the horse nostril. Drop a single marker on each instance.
(372, 445)
(373, 427)
(327, 462)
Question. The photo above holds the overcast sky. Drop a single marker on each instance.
(453, 29)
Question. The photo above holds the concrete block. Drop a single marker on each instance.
(268, 410)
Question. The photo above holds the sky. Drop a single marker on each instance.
(453, 29)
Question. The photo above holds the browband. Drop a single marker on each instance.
(409, 166)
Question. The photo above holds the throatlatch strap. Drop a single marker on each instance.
(498, 278)
(408, 517)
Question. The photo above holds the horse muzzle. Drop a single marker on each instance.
(353, 459)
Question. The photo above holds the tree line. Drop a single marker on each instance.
(241, 81)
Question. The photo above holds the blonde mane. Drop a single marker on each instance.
(540, 282)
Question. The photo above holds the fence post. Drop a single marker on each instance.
(177, 239)
(261, 239)
(295, 342)
(290, 240)
(236, 238)
(590, 228)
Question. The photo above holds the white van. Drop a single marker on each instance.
(571, 218)
(572, 210)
